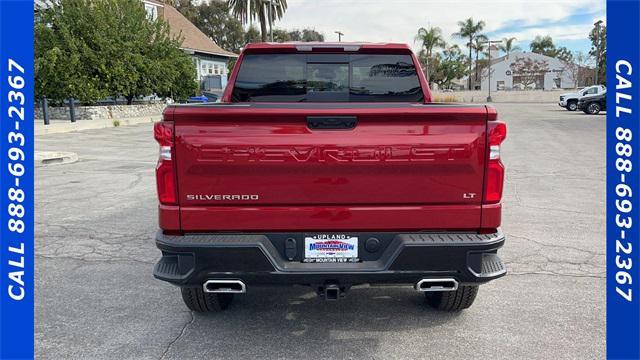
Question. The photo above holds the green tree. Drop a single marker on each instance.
(311, 35)
(469, 30)
(265, 11)
(281, 35)
(449, 65)
(252, 35)
(563, 54)
(430, 39)
(186, 7)
(599, 51)
(178, 77)
(293, 35)
(543, 45)
(90, 49)
(64, 64)
(507, 46)
(306, 35)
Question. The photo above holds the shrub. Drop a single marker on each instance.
(445, 98)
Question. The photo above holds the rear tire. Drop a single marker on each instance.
(593, 108)
(457, 300)
(572, 105)
(198, 300)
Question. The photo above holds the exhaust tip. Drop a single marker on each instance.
(427, 285)
(225, 286)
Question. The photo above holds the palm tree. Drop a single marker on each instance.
(543, 45)
(431, 38)
(507, 45)
(479, 45)
(266, 11)
(469, 29)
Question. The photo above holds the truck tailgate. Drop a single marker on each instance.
(245, 161)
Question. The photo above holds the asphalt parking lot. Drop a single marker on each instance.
(96, 296)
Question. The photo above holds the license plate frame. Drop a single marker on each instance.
(331, 248)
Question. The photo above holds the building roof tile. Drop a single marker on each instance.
(193, 38)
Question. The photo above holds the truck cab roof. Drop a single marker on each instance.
(324, 46)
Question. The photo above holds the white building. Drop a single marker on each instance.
(554, 74)
(494, 51)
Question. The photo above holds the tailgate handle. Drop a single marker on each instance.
(332, 122)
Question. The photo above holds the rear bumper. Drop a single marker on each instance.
(263, 259)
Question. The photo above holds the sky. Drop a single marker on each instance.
(568, 22)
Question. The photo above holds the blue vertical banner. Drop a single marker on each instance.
(623, 180)
(16, 180)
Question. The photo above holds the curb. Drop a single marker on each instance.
(47, 158)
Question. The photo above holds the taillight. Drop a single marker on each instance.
(165, 174)
(495, 170)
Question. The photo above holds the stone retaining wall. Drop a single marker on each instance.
(120, 112)
(528, 96)
(109, 112)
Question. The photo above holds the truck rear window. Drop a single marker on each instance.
(327, 78)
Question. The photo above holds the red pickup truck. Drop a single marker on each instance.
(328, 165)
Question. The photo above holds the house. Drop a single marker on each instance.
(540, 72)
(209, 59)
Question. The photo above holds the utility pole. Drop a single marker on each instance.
(490, 42)
(340, 34)
(597, 24)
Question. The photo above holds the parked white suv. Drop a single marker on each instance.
(569, 101)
